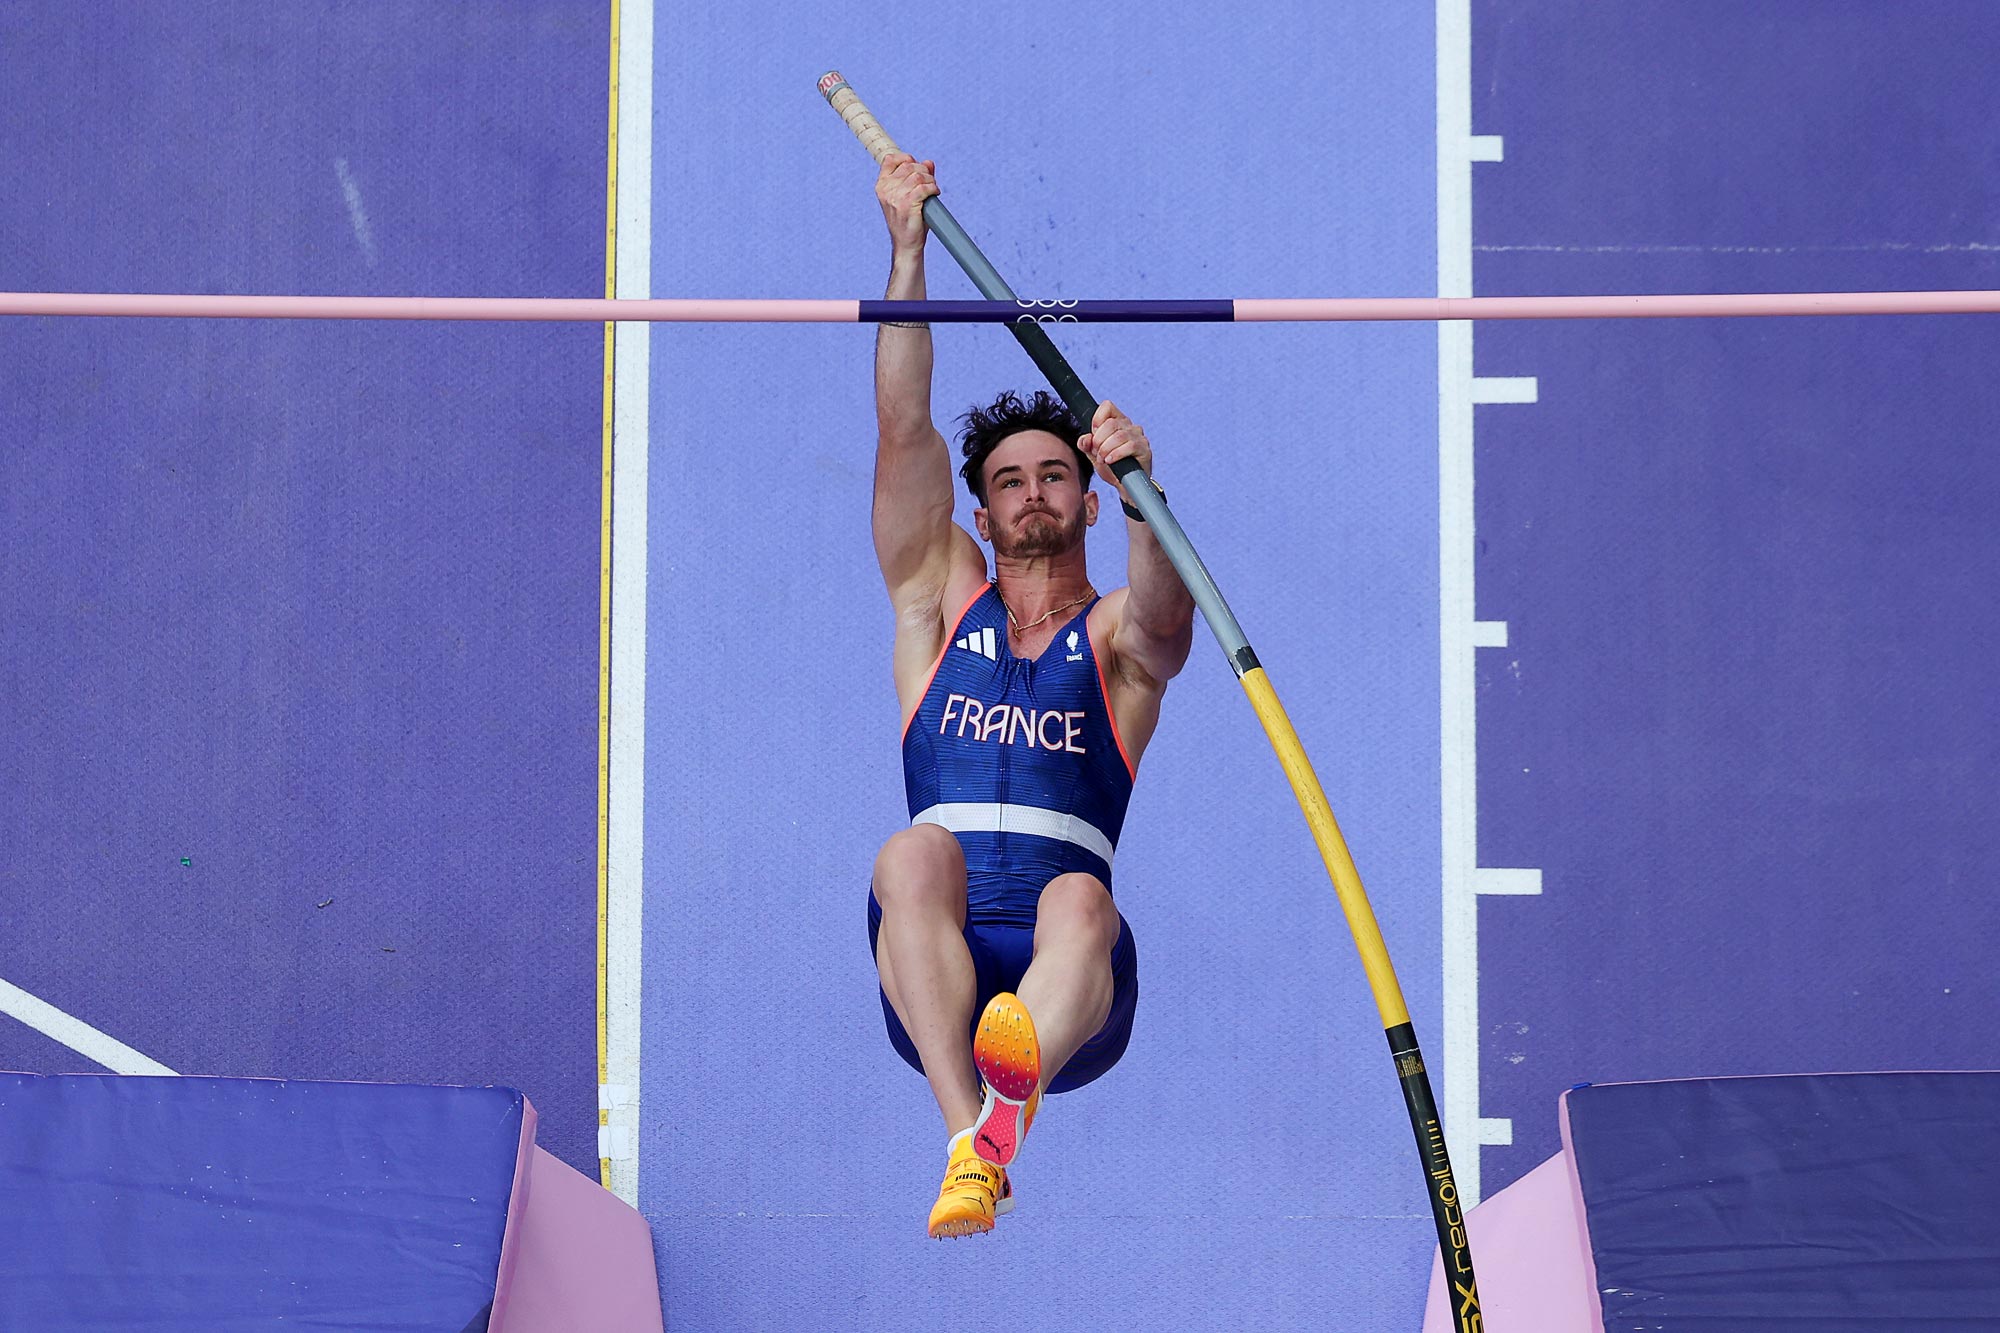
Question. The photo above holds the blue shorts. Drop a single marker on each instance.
(1000, 956)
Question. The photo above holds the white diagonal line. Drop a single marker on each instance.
(74, 1033)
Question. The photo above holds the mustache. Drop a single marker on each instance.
(1023, 540)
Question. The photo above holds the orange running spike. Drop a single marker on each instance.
(1010, 1060)
(969, 1199)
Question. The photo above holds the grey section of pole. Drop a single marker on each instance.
(1083, 404)
(968, 254)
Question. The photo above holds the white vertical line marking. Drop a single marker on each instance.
(631, 379)
(1489, 634)
(1458, 737)
(74, 1033)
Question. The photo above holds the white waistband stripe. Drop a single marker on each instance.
(996, 817)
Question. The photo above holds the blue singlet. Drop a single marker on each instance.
(1020, 759)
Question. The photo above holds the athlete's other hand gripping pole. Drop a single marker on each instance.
(1152, 506)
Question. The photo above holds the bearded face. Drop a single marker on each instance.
(1036, 501)
(1040, 532)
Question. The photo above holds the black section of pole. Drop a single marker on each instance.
(1446, 1210)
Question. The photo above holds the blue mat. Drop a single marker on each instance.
(197, 1205)
(1861, 1202)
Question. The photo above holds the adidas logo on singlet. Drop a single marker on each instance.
(980, 641)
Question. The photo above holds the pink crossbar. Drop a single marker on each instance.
(1625, 307)
(849, 312)
(585, 310)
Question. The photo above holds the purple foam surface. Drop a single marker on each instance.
(1770, 1203)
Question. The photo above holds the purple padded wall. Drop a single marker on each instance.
(1857, 1201)
(213, 1205)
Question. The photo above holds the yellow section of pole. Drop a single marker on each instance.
(1332, 848)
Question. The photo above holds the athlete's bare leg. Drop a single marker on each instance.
(1067, 988)
(926, 969)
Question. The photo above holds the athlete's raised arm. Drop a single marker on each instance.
(914, 534)
(1155, 626)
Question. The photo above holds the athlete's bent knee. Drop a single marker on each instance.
(921, 867)
(1078, 904)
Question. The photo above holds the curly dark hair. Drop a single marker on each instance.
(1010, 414)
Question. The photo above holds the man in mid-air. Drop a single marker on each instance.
(1027, 699)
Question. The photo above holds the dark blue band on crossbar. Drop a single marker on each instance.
(1048, 312)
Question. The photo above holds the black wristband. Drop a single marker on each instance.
(1134, 514)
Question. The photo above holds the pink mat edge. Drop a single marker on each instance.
(517, 1208)
(1576, 1203)
(586, 1260)
(1524, 1293)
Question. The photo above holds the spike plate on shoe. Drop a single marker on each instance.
(1009, 1059)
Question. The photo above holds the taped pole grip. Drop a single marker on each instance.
(833, 87)
(944, 226)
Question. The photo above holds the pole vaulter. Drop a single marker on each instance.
(1445, 1206)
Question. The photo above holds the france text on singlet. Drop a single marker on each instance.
(1020, 758)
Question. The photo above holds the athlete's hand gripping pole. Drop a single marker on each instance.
(1415, 1082)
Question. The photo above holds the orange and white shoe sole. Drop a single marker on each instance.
(1010, 1060)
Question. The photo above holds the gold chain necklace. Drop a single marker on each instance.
(1019, 628)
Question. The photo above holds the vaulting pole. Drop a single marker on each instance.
(1389, 1003)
